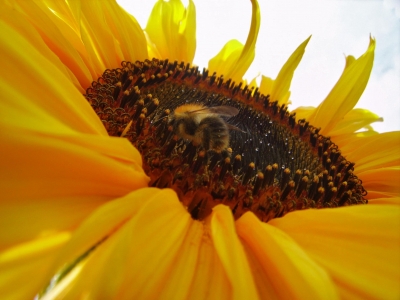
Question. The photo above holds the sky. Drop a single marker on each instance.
(337, 27)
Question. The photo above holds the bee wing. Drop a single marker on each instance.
(226, 111)
(232, 127)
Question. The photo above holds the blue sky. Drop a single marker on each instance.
(338, 28)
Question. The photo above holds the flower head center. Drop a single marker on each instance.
(214, 142)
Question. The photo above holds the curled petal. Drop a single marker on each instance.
(225, 60)
(349, 60)
(234, 59)
(346, 93)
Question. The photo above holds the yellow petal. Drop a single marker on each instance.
(171, 30)
(353, 121)
(380, 201)
(186, 266)
(283, 80)
(15, 20)
(304, 112)
(152, 48)
(102, 48)
(346, 93)
(350, 141)
(231, 254)
(55, 151)
(281, 268)
(109, 34)
(226, 59)
(106, 219)
(99, 40)
(125, 29)
(28, 263)
(358, 246)
(210, 278)
(138, 274)
(253, 83)
(234, 59)
(187, 257)
(284, 98)
(349, 60)
(375, 152)
(188, 30)
(59, 37)
(382, 182)
(266, 85)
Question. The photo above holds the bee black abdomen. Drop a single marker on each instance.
(214, 133)
(189, 126)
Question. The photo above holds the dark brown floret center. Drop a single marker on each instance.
(274, 164)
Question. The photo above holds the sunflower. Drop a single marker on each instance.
(82, 207)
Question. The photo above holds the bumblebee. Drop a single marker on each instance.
(203, 125)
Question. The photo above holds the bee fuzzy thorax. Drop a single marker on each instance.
(188, 112)
(186, 108)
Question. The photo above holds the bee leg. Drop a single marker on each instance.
(225, 153)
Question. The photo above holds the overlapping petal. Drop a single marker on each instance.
(207, 256)
(282, 270)
(52, 142)
(355, 120)
(58, 163)
(231, 254)
(136, 273)
(29, 263)
(76, 32)
(60, 35)
(171, 31)
(358, 246)
(377, 159)
(345, 94)
(382, 182)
